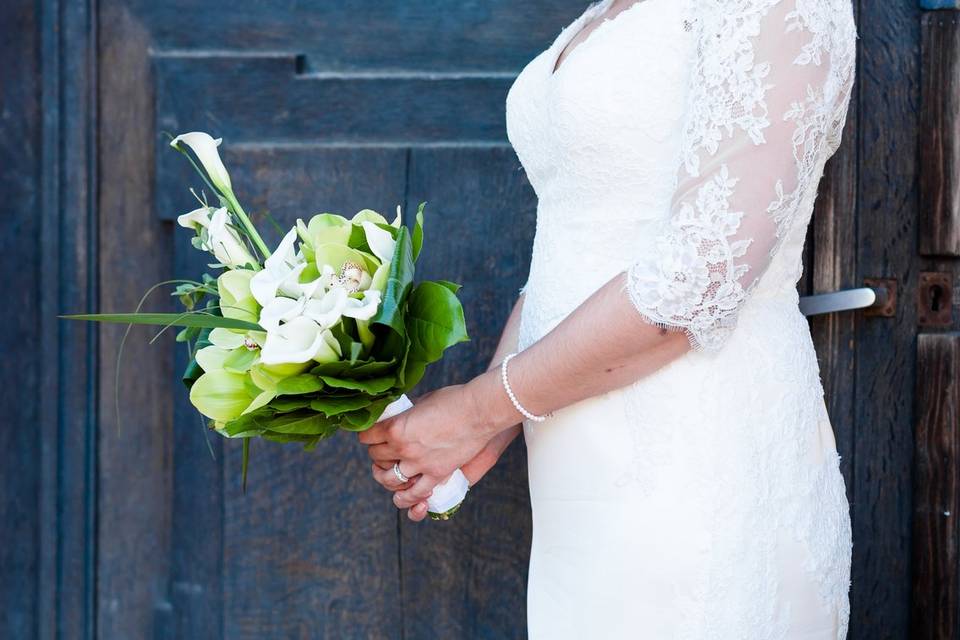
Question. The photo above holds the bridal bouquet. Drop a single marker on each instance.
(326, 332)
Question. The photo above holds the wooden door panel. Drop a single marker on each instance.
(331, 107)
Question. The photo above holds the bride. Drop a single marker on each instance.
(683, 473)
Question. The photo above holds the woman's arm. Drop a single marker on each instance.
(603, 345)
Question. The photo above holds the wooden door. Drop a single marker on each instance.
(137, 527)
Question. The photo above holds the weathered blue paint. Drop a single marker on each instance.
(940, 4)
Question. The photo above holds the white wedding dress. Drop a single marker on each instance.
(683, 142)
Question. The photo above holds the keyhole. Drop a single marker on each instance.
(936, 297)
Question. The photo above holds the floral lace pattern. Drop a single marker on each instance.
(701, 273)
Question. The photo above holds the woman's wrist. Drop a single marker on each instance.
(490, 404)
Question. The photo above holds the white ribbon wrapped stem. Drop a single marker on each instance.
(446, 497)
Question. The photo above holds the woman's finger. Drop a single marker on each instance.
(375, 434)
(389, 480)
(417, 512)
(383, 454)
(419, 492)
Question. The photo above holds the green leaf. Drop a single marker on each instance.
(363, 419)
(399, 281)
(290, 437)
(418, 232)
(302, 422)
(289, 403)
(252, 423)
(453, 286)
(202, 320)
(299, 385)
(193, 370)
(373, 386)
(435, 322)
(335, 406)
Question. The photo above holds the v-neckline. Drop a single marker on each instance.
(580, 24)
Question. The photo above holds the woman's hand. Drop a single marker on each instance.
(441, 433)
(474, 469)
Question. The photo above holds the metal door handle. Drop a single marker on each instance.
(862, 298)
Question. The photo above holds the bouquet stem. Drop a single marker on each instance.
(247, 224)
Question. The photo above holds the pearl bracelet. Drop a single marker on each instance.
(513, 397)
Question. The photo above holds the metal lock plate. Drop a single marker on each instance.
(886, 306)
(935, 299)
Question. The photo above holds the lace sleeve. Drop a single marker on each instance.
(767, 102)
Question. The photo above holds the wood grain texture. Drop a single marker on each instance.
(135, 484)
(67, 271)
(466, 578)
(433, 36)
(351, 108)
(887, 207)
(940, 135)
(936, 489)
(20, 440)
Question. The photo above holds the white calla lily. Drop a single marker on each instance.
(299, 341)
(220, 238)
(225, 242)
(204, 146)
(197, 219)
(381, 242)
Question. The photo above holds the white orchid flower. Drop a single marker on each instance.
(381, 242)
(279, 310)
(300, 341)
(204, 146)
(327, 310)
(220, 238)
(226, 339)
(281, 273)
(363, 309)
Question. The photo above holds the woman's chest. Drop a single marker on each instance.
(617, 99)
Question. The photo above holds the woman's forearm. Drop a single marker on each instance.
(509, 339)
(602, 345)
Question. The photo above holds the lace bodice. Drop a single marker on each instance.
(682, 141)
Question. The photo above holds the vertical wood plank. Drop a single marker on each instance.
(135, 494)
(466, 578)
(67, 271)
(887, 207)
(940, 135)
(936, 489)
(20, 439)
